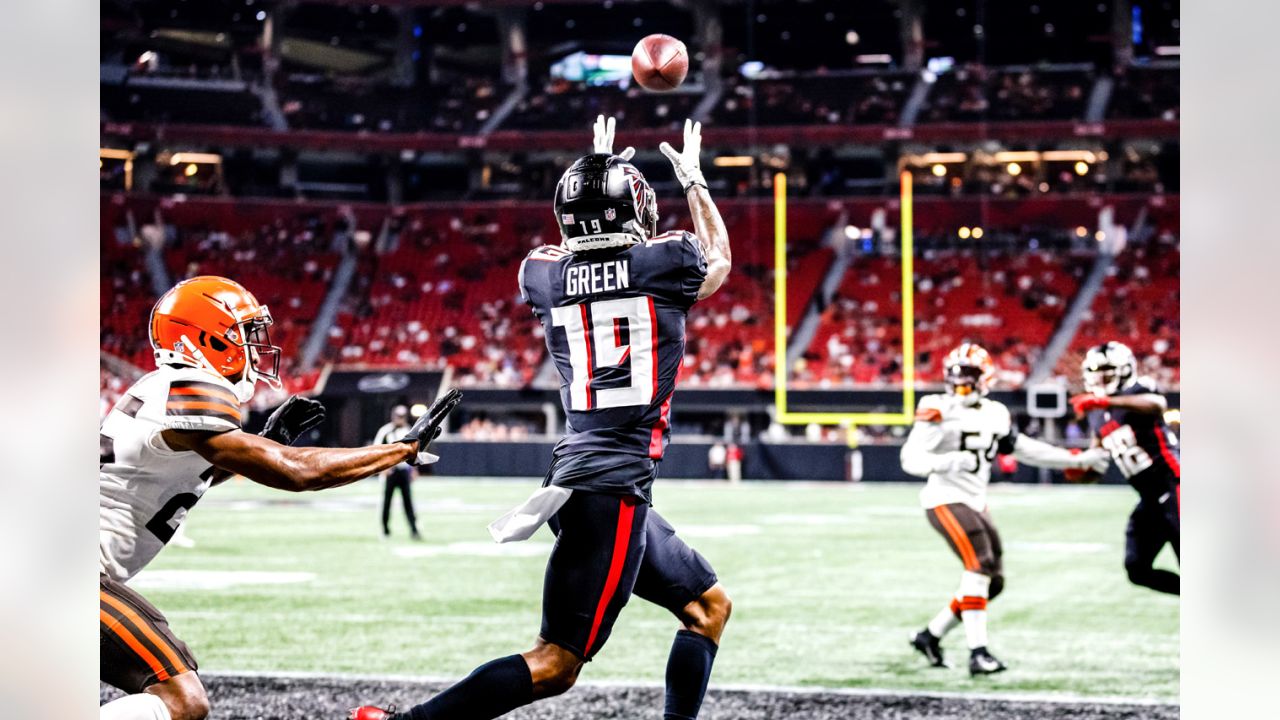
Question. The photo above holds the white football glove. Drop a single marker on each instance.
(955, 461)
(1095, 459)
(687, 165)
(603, 142)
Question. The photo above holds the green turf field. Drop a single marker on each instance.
(827, 580)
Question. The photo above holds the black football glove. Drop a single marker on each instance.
(296, 416)
(427, 428)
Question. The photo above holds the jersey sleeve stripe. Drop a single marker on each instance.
(203, 403)
(932, 415)
(207, 391)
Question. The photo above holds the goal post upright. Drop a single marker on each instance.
(780, 370)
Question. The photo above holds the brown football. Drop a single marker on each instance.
(660, 63)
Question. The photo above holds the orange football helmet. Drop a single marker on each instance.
(969, 371)
(214, 323)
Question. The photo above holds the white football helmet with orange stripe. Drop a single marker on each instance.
(215, 324)
(969, 372)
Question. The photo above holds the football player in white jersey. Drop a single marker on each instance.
(172, 435)
(953, 442)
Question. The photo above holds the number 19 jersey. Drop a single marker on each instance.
(146, 488)
(614, 323)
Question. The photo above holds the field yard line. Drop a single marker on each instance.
(1013, 697)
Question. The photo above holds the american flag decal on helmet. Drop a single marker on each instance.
(566, 218)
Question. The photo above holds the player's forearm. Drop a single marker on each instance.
(1041, 454)
(1149, 403)
(321, 468)
(713, 238)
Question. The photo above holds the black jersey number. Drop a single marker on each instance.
(165, 523)
(981, 444)
(595, 341)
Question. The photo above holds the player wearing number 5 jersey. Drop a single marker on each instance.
(953, 442)
(1126, 419)
(175, 433)
(612, 299)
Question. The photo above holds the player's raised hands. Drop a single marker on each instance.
(687, 163)
(293, 418)
(603, 142)
(428, 427)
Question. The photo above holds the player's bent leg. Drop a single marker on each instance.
(553, 670)
(141, 655)
(184, 696)
(677, 577)
(1145, 535)
(708, 614)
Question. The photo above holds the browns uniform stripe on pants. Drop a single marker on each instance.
(137, 647)
(126, 620)
(959, 538)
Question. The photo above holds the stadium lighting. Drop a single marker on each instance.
(851, 38)
(734, 161)
(939, 170)
(1014, 169)
(964, 232)
(1081, 231)
(1082, 167)
(852, 232)
(417, 410)
(1099, 236)
(977, 233)
(191, 169)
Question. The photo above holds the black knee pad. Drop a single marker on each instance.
(997, 587)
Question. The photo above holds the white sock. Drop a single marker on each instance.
(143, 706)
(973, 607)
(944, 622)
(975, 627)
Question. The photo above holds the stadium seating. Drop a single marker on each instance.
(817, 99)
(977, 93)
(1146, 92)
(1138, 306)
(1008, 301)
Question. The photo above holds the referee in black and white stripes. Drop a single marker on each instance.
(399, 477)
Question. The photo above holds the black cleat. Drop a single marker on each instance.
(982, 662)
(930, 647)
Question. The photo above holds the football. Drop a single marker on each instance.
(660, 63)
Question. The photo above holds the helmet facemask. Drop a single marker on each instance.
(1108, 369)
(966, 382)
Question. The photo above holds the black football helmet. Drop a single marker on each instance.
(602, 201)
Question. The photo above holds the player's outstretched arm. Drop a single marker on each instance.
(288, 468)
(280, 466)
(1041, 454)
(708, 226)
(1146, 403)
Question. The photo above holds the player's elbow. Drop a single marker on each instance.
(913, 463)
(717, 271)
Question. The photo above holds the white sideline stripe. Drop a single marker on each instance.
(1012, 697)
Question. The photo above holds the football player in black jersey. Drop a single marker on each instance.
(612, 299)
(1126, 418)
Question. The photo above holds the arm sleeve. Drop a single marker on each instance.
(1041, 454)
(919, 456)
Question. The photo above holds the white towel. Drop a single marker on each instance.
(521, 522)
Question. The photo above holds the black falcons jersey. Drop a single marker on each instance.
(614, 322)
(1141, 445)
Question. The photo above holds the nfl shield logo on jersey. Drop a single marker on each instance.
(566, 218)
(610, 214)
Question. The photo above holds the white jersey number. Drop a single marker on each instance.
(1124, 449)
(596, 343)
